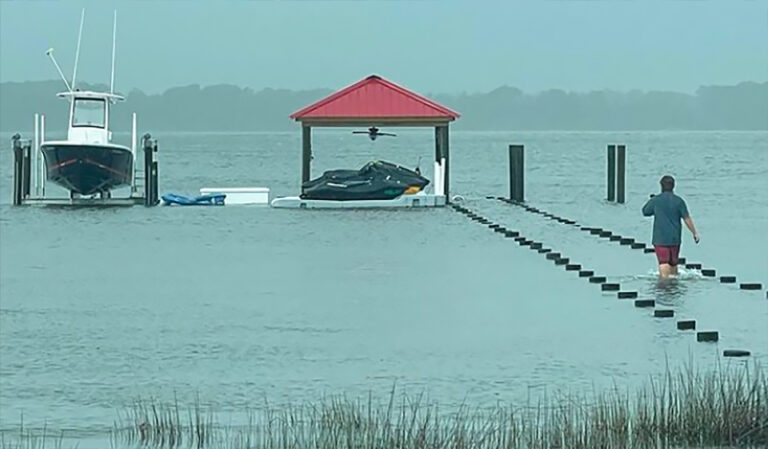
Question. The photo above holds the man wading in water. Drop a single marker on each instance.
(667, 210)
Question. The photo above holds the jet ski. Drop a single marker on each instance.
(376, 180)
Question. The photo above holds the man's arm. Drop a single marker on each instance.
(648, 208)
(688, 220)
(691, 227)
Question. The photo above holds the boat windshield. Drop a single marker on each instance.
(89, 112)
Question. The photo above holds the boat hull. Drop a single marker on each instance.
(88, 169)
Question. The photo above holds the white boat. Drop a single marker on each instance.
(88, 162)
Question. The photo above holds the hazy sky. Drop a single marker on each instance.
(431, 46)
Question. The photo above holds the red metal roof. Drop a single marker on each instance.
(375, 97)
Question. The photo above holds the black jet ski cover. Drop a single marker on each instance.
(377, 180)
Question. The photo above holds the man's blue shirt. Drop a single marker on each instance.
(667, 210)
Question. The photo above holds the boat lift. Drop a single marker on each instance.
(29, 168)
(30, 174)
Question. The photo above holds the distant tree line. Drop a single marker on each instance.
(231, 108)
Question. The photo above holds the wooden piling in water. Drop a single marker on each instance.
(445, 151)
(516, 173)
(611, 173)
(26, 169)
(306, 153)
(621, 161)
(151, 193)
(155, 178)
(18, 156)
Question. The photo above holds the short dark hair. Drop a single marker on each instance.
(667, 183)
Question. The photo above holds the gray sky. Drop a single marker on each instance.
(431, 46)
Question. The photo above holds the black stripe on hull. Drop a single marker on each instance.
(88, 169)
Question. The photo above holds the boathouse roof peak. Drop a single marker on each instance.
(375, 99)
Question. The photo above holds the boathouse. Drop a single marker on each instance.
(376, 102)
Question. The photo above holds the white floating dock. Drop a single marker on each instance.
(417, 200)
(239, 195)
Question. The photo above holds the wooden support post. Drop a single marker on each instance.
(155, 177)
(438, 156)
(442, 151)
(611, 172)
(18, 156)
(621, 173)
(521, 174)
(512, 188)
(26, 172)
(146, 144)
(447, 168)
(516, 173)
(306, 154)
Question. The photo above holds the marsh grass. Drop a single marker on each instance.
(31, 438)
(677, 410)
(686, 409)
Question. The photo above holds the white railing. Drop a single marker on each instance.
(41, 160)
(133, 152)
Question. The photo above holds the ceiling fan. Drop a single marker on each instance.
(373, 132)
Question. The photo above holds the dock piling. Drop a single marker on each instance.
(146, 144)
(151, 197)
(26, 174)
(617, 161)
(445, 171)
(516, 173)
(621, 162)
(306, 154)
(18, 157)
(155, 188)
(611, 172)
(155, 198)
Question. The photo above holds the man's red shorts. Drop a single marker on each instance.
(667, 254)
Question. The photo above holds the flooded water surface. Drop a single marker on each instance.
(231, 305)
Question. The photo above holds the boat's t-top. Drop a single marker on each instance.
(87, 162)
(89, 115)
(89, 111)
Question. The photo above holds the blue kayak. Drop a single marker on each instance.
(216, 199)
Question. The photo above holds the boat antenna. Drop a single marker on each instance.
(77, 51)
(61, 74)
(114, 36)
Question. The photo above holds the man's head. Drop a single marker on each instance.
(667, 183)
